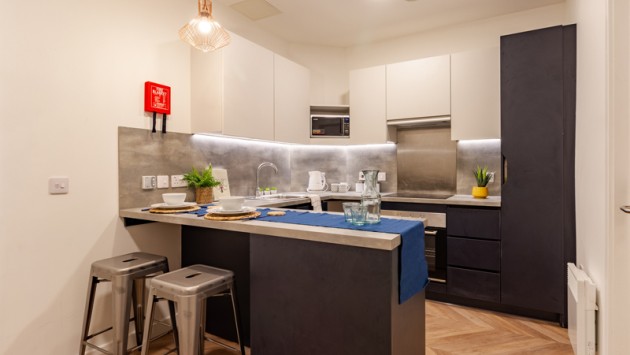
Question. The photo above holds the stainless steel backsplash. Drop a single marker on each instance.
(485, 152)
(141, 152)
(427, 161)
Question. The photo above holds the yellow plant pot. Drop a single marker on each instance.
(480, 192)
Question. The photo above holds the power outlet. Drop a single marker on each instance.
(178, 181)
(162, 182)
(491, 173)
(148, 182)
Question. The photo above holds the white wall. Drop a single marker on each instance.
(592, 160)
(71, 72)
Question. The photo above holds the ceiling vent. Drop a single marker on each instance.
(255, 9)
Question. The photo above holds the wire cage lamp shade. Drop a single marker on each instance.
(203, 32)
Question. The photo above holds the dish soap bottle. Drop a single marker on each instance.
(371, 197)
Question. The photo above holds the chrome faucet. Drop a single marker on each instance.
(263, 165)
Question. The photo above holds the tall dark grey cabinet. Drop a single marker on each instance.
(537, 144)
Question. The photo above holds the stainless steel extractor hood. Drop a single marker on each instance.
(420, 122)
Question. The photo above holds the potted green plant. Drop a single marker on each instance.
(483, 178)
(203, 182)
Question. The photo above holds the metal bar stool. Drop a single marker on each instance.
(189, 288)
(127, 274)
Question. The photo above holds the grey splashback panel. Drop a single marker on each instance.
(482, 153)
(427, 161)
(141, 152)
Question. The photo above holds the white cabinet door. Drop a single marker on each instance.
(247, 90)
(292, 98)
(368, 122)
(206, 91)
(419, 88)
(476, 94)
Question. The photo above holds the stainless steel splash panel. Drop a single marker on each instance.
(427, 160)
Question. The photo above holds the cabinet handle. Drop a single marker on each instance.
(626, 209)
(430, 232)
(505, 169)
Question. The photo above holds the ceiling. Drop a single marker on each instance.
(344, 23)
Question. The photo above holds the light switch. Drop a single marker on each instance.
(58, 185)
(162, 182)
(148, 182)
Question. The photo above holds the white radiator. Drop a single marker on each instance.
(581, 300)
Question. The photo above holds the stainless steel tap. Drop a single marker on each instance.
(260, 167)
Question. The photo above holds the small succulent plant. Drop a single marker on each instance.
(482, 176)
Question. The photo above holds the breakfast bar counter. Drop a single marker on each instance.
(305, 289)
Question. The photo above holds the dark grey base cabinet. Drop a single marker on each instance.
(537, 144)
(474, 253)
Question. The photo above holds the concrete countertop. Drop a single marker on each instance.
(350, 237)
(456, 200)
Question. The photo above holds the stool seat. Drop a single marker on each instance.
(189, 288)
(136, 264)
(127, 274)
(199, 280)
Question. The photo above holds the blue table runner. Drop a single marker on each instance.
(413, 272)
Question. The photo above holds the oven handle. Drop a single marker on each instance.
(430, 232)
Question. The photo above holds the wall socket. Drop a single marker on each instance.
(381, 176)
(58, 185)
(178, 181)
(148, 182)
(162, 182)
(491, 173)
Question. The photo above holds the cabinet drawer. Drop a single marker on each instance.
(479, 285)
(474, 253)
(474, 222)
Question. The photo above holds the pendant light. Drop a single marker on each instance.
(203, 32)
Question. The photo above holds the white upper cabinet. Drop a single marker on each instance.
(368, 104)
(419, 88)
(292, 98)
(476, 94)
(246, 90)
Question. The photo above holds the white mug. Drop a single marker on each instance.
(359, 187)
(334, 187)
(343, 187)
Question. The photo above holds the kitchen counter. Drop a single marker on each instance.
(455, 200)
(299, 284)
(349, 237)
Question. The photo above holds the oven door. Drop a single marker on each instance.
(434, 243)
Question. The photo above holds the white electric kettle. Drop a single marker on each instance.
(316, 181)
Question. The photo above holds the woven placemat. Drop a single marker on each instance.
(216, 217)
(174, 210)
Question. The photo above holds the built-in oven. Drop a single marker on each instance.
(434, 241)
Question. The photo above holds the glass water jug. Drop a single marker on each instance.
(371, 197)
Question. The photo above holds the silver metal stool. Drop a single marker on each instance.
(127, 273)
(189, 288)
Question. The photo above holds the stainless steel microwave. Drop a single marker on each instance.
(330, 126)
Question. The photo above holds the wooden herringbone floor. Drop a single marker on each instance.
(452, 329)
(460, 330)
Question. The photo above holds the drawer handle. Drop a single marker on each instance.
(430, 232)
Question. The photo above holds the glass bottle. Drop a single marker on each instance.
(371, 197)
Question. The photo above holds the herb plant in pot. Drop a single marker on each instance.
(203, 182)
(483, 178)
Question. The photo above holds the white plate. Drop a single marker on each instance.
(164, 206)
(221, 211)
